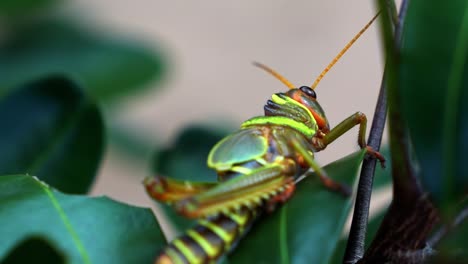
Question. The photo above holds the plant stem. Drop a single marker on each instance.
(355, 246)
(403, 233)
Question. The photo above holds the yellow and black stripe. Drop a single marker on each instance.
(209, 239)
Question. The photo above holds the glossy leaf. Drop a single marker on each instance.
(83, 229)
(49, 128)
(307, 228)
(108, 67)
(434, 90)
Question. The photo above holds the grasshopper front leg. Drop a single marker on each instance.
(328, 182)
(358, 118)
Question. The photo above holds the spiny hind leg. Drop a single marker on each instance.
(170, 190)
(357, 118)
(280, 198)
(309, 159)
(249, 190)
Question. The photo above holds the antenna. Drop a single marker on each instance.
(343, 51)
(275, 74)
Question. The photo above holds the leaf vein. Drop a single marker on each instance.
(66, 222)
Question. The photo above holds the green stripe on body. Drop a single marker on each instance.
(186, 251)
(280, 121)
(225, 236)
(204, 243)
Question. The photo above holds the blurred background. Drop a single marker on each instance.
(195, 67)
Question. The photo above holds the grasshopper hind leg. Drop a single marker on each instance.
(251, 190)
(170, 190)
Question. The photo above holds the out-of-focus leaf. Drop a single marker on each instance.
(51, 130)
(33, 249)
(308, 227)
(83, 229)
(434, 91)
(108, 67)
(186, 159)
(132, 142)
(10, 8)
(452, 248)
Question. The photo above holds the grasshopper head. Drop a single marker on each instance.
(307, 97)
(299, 105)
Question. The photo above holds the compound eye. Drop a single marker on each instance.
(308, 91)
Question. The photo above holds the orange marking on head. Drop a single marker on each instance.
(321, 122)
(296, 95)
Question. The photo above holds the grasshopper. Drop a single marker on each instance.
(258, 168)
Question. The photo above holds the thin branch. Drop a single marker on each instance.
(357, 234)
(402, 235)
(355, 246)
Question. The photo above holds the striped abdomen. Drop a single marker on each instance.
(209, 239)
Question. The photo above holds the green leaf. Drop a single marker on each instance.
(109, 67)
(308, 227)
(83, 229)
(434, 90)
(452, 248)
(22, 7)
(51, 130)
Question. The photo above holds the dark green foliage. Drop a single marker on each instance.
(108, 67)
(434, 92)
(86, 230)
(12, 8)
(51, 130)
